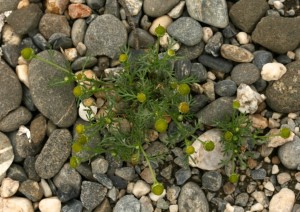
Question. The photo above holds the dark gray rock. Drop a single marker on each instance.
(127, 173)
(11, 53)
(212, 181)
(40, 41)
(182, 69)
(67, 182)
(118, 182)
(16, 172)
(13, 140)
(31, 190)
(186, 30)
(229, 31)
(216, 63)
(144, 38)
(260, 85)
(242, 199)
(246, 14)
(216, 111)
(284, 59)
(212, 12)
(225, 88)
(283, 94)
(72, 206)
(214, 44)
(84, 63)
(258, 174)
(95, 4)
(199, 102)
(8, 5)
(78, 31)
(25, 147)
(182, 175)
(277, 33)
(198, 71)
(54, 154)
(154, 8)
(27, 100)
(30, 169)
(128, 203)
(92, 194)
(288, 154)
(112, 8)
(38, 129)
(28, 42)
(113, 36)
(192, 198)
(191, 52)
(55, 102)
(52, 23)
(15, 119)
(86, 171)
(262, 57)
(10, 90)
(246, 73)
(33, 14)
(60, 40)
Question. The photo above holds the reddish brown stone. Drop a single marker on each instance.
(79, 11)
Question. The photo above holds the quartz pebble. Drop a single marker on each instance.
(22, 73)
(282, 201)
(275, 169)
(243, 38)
(140, 188)
(273, 71)
(283, 177)
(164, 21)
(9, 187)
(51, 204)
(207, 34)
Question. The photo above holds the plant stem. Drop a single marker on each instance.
(148, 162)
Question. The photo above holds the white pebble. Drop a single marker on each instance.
(243, 38)
(14, 204)
(229, 208)
(70, 54)
(291, 55)
(211, 75)
(164, 21)
(140, 188)
(165, 42)
(297, 186)
(22, 73)
(282, 201)
(269, 186)
(173, 208)
(207, 34)
(155, 197)
(275, 169)
(278, 5)
(297, 129)
(51, 204)
(267, 160)
(283, 178)
(9, 187)
(273, 71)
(83, 112)
(272, 123)
(23, 4)
(257, 207)
(292, 115)
(46, 188)
(276, 115)
(177, 10)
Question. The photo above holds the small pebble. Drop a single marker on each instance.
(22, 73)
(207, 34)
(297, 186)
(273, 71)
(269, 186)
(275, 169)
(283, 177)
(51, 204)
(9, 187)
(257, 207)
(140, 188)
(278, 5)
(164, 21)
(243, 38)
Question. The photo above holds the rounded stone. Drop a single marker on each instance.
(186, 30)
(212, 180)
(262, 57)
(154, 8)
(113, 36)
(288, 153)
(52, 23)
(225, 88)
(246, 73)
(236, 53)
(6, 153)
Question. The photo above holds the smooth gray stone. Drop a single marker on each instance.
(212, 181)
(191, 52)
(112, 8)
(60, 41)
(72, 206)
(16, 172)
(289, 154)
(113, 36)
(6, 153)
(84, 63)
(212, 12)
(214, 44)
(225, 88)
(246, 73)
(55, 102)
(95, 4)
(11, 53)
(182, 175)
(199, 72)
(155, 8)
(127, 203)
(30, 170)
(182, 69)
(78, 31)
(145, 39)
(40, 41)
(10, 90)
(54, 154)
(216, 63)
(258, 174)
(262, 57)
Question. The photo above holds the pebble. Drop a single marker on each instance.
(22, 73)
(262, 57)
(92, 194)
(163, 21)
(140, 188)
(134, 6)
(208, 160)
(225, 88)
(52, 23)
(275, 169)
(243, 38)
(8, 187)
(126, 173)
(245, 14)
(216, 63)
(9, 36)
(209, 90)
(51, 204)
(191, 52)
(212, 181)
(192, 198)
(46, 188)
(236, 54)
(31, 190)
(40, 41)
(258, 121)
(154, 8)
(275, 141)
(72, 206)
(6, 153)
(257, 207)
(16, 204)
(269, 185)
(78, 31)
(127, 203)
(246, 73)
(7, 6)
(260, 197)
(70, 54)
(283, 178)
(177, 11)
(282, 201)
(56, 6)
(79, 11)
(212, 12)
(213, 45)
(99, 166)
(16, 172)
(278, 5)
(186, 30)
(258, 174)
(273, 71)
(145, 39)
(182, 175)
(107, 44)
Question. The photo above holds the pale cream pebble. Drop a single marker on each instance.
(22, 73)
(278, 5)
(211, 75)
(163, 21)
(197, 88)
(89, 102)
(155, 197)
(23, 4)
(282, 201)
(276, 115)
(296, 130)
(51, 204)
(129, 188)
(166, 41)
(70, 54)
(283, 178)
(243, 38)
(207, 34)
(275, 140)
(273, 71)
(275, 169)
(140, 188)
(9, 187)
(268, 185)
(83, 112)
(258, 121)
(291, 55)
(257, 207)
(22, 61)
(272, 123)
(46, 188)
(173, 208)
(9, 36)
(176, 12)
(292, 115)
(89, 74)
(297, 186)
(16, 204)
(267, 160)
(229, 208)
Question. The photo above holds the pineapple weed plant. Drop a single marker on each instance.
(148, 98)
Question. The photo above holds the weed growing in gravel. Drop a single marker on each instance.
(143, 99)
(240, 138)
